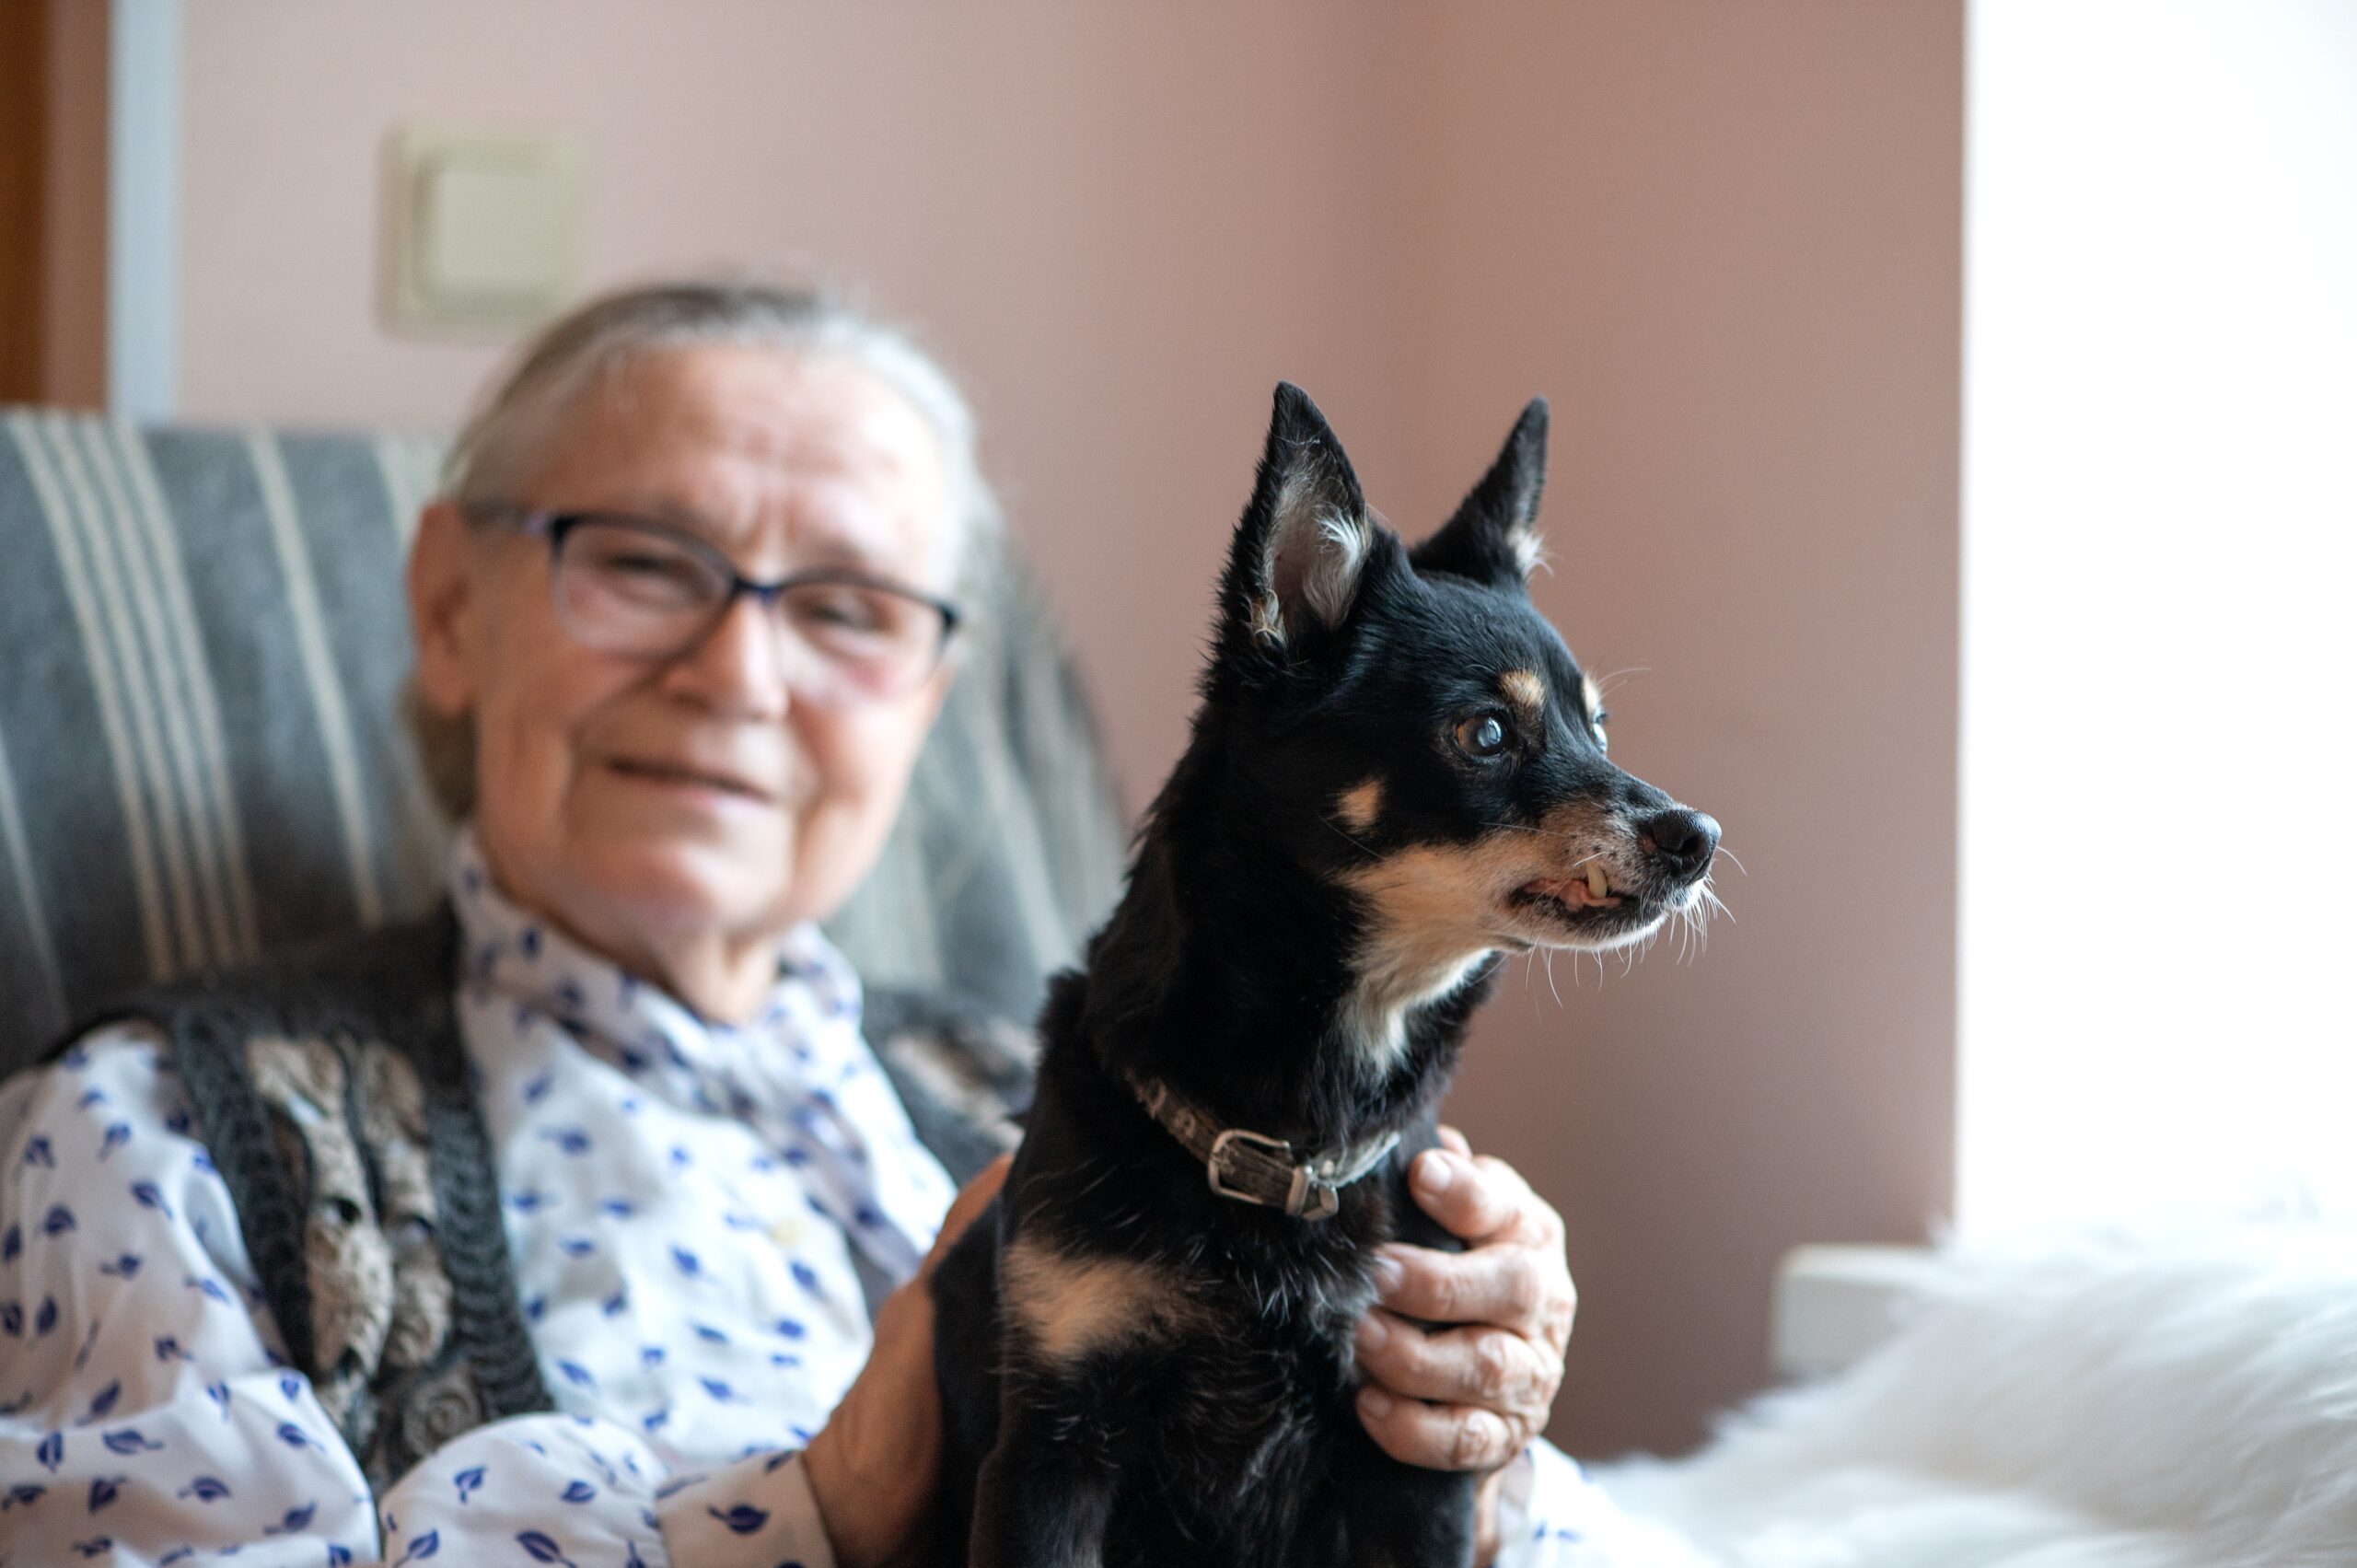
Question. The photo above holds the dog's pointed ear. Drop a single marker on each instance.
(1494, 538)
(1302, 546)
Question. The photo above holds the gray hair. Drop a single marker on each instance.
(498, 448)
(511, 431)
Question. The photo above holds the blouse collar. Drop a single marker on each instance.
(813, 1003)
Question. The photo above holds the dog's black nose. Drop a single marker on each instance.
(1684, 840)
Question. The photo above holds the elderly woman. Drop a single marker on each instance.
(581, 1224)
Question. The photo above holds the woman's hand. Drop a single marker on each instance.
(873, 1467)
(1471, 1392)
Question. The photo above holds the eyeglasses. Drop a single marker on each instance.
(632, 586)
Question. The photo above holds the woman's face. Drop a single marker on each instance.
(681, 813)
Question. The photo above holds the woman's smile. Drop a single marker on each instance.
(720, 786)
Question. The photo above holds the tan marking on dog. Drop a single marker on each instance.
(1591, 699)
(1434, 911)
(1527, 692)
(1067, 1307)
(1361, 805)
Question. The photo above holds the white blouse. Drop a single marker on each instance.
(689, 1207)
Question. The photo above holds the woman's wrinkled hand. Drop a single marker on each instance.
(876, 1464)
(1470, 1392)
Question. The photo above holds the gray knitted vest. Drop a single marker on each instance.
(333, 1094)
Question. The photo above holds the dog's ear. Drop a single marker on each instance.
(1302, 546)
(1494, 537)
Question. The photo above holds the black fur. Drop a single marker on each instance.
(1228, 971)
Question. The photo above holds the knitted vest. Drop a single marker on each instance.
(334, 1095)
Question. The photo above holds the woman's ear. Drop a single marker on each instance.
(440, 609)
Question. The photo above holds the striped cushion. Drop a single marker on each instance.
(202, 637)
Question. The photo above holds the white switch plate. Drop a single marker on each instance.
(483, 231)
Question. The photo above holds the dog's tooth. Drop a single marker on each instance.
(1597, 886)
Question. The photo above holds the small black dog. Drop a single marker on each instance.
(1397, 772)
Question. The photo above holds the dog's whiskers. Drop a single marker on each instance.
(1694, 921)
(1525, 828)
(1545, 833)
(1605, 683)
(1710, 897)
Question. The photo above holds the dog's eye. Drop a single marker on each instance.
(1597, 722)
(1483, 736)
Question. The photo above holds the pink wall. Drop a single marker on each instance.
(1728, 239)
(1122, 275)
(1724, 239)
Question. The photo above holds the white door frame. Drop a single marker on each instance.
(142, 208)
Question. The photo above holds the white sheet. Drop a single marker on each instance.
(2089, 1401)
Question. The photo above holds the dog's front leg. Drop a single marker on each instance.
(1045, 1494)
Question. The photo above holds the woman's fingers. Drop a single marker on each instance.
(1437, 1437)
(1514, 1274)
(1493, 1368)
(1477, 1200)
(1518, 1288)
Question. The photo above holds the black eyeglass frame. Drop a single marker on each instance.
(555, 526)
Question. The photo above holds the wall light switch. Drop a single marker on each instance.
(484, 231)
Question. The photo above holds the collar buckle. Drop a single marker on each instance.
(1249, 1166)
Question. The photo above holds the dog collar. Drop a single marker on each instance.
(1253, 1167)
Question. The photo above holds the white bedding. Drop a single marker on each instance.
(2099, 1402)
